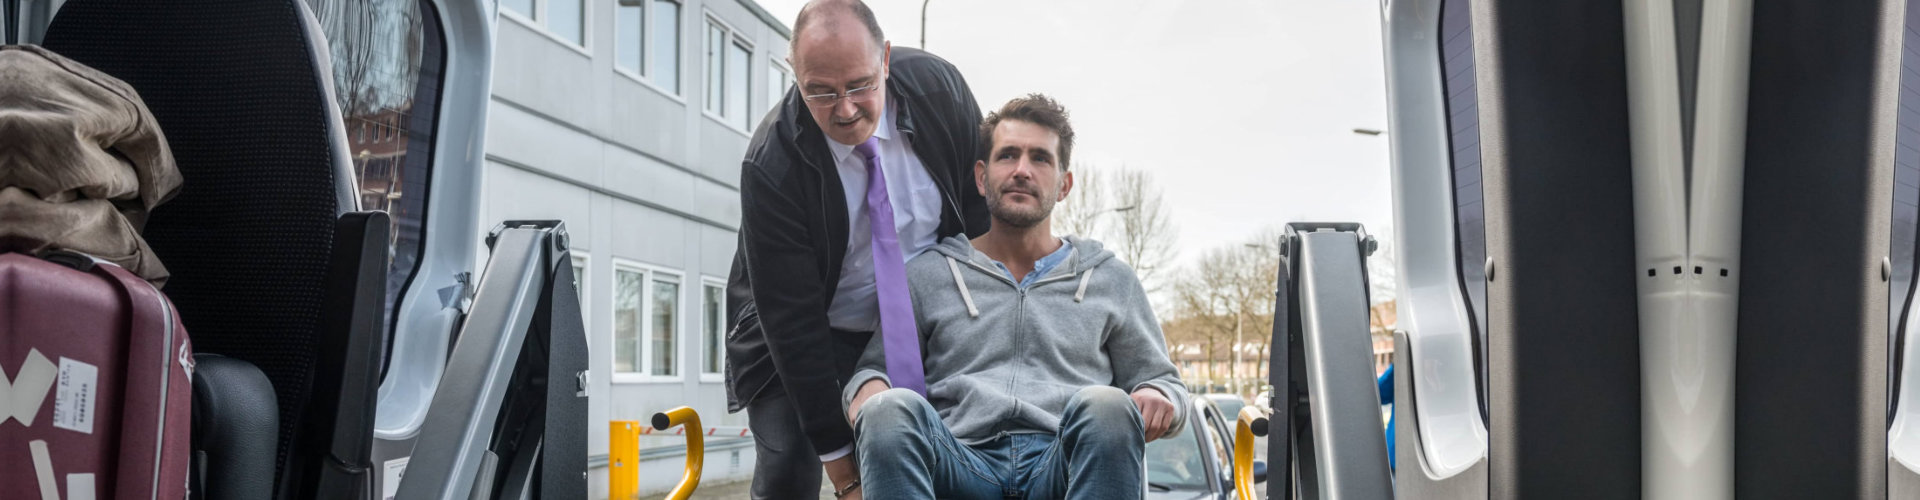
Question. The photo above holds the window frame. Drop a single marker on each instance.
(744, 122)
(644, 74)
(537, 22)
(718, 318)
(649, 274)
(731, 36)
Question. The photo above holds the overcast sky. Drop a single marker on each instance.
(1244, 110)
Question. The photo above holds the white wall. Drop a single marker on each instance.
(638, 175)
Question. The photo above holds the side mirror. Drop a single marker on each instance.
(1259, 471)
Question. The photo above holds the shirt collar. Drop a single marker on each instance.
(884, 130)
(1042, 267)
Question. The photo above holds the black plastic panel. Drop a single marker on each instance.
(1906, 194)
(1562, 309)
(1812, 349)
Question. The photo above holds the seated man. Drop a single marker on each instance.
(1045, 369)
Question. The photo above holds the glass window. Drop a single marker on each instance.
(1456, 28)
(626, 320)
(567, 19)
(630, 21)
(666, 46)
(737, 57)
(388, 58)
(778, 81)
(713, 327)
(521, 7)
(665, 309)
(716, 70)
(1176, 463)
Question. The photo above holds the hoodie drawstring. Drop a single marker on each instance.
(1082, 293)
(965, 295)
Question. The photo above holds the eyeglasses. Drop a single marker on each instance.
(862, 94)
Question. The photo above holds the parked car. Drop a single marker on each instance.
(1229, 404)
(1198, 463)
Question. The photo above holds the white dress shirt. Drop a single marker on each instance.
(916, 216)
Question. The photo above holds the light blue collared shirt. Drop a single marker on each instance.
(1041, 267)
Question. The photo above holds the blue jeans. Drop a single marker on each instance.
(907, 452)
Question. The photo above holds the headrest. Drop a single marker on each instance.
(82, 161)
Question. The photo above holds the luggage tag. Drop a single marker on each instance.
(73, 402)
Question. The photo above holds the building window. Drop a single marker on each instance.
(713, 325)
(727, 61)
(626, 320)
(646, 327)
(737, 56)
(665, 309)
(567, 19)
(649, 41)
(779, 79)
(630, 21)
(521, 7)
(716, 67)
(666, 46)
(564, 19)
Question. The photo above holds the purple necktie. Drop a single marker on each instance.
(901, 338)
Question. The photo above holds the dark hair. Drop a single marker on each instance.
(1037, 109)
(859, 10)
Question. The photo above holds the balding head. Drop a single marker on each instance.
(837, 49)
(835, 17)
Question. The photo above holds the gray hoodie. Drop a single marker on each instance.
(1000, 359)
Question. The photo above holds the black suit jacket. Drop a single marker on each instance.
(793, 236)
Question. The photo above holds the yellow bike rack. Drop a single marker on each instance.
(696, 447)
(623, 454)
(1252, 423)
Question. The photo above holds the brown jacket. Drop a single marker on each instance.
(82, 162)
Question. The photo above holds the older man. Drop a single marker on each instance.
(863, 166)
(1046, 371)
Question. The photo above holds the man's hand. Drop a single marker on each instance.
(867, 390)
(1156, 413)
(842, 471)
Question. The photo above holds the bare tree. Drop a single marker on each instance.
(1123, 209)
(1145, 236)
(1227, 299)
(1079, 214)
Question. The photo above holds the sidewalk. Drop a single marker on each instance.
(734, 491)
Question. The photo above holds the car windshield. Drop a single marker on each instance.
(1230, 407)
(1175, 463)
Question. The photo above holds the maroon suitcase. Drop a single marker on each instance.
(98, 383)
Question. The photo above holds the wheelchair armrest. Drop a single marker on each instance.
(236, 428)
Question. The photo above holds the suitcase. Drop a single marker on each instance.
(97, 391)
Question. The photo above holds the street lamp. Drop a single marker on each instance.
(923, 23)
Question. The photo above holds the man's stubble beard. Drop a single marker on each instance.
(1019, 217)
